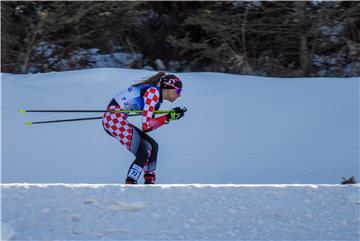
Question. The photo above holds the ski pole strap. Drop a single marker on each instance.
(96, 111)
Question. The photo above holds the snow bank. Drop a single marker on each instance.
(180, 212)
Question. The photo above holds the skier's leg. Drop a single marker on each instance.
(153, 155)
(153, 150)
(140, 148)
(150, 167)
(140, 144)
(117, 126)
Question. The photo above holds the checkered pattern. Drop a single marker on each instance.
(151, 98)
(118, 126)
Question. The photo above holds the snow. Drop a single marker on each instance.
(238, 129)
(7, 232)
(92, 57)
(298, 136)
(180, 212)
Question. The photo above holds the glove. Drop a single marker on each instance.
(176, 113)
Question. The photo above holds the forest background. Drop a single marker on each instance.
(267, 38)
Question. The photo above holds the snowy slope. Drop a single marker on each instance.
(180, 212)
(238, 129)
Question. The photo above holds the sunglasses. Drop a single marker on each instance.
(178, 89)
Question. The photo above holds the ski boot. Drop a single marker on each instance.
(149, 178)
(129, 180)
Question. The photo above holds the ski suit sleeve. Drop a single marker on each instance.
(149, 123)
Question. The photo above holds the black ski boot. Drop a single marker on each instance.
(129, 180)
(149, 178)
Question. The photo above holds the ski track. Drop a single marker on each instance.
(179, 212)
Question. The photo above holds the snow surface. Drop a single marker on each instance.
(238, 129)
(180, 212)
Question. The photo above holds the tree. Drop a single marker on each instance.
(261, 37)
(54, 31)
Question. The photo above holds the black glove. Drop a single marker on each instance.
(176, 113)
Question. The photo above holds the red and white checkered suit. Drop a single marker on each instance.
(151, 98)
(118, 126)
(121, 129)
(146, 98)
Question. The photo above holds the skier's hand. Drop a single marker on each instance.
(176, 113)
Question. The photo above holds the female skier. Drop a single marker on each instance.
(146, 96)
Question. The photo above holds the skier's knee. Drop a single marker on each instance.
(141, 155)
(154, 147)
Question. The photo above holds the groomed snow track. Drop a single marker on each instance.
(179, 212)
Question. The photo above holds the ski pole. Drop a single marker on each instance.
(98, 111)
(130, 113)
(29, 123)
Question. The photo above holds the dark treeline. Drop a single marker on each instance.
(260, 38)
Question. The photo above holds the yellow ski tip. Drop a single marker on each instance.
(28, 123)
(22, 111)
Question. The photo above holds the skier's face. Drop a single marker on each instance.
(172, 94)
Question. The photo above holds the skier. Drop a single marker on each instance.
(146, 96)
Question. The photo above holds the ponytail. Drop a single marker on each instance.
(153, 80)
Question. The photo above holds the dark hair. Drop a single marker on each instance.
(154, 80)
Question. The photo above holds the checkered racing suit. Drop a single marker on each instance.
(147, 98)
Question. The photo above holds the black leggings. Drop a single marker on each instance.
(145, 149)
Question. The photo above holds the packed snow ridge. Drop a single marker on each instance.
(180, 212)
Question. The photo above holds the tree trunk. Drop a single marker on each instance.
(304, 53)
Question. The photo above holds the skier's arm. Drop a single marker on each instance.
(151, 98)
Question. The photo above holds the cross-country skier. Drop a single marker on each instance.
(146, 96)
